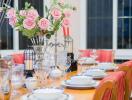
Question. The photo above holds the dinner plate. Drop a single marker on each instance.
(72, 82)
(41, 97)
(95, 73)
(72, 86)
(107, 68)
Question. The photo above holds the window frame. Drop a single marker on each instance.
(16, 36)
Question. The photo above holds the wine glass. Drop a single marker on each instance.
(94, 55)
(81, 61)
(42, 74)
(17, 80)
(4, 81)
(64, 62)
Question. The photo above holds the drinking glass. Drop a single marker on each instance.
(94, 55)
(81, 61)
(42, 74)
(64, 62)
(4, 81)
(17, 80)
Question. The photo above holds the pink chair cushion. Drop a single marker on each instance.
(84, 53)
(18, 58)
(127, 64)
(119, 79)
(107, 95)
(105, 56)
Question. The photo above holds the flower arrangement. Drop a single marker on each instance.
(31, 24)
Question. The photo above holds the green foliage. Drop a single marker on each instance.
(54, 24)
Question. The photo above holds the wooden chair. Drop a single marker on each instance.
(106, 55)
(127, 68)
(18, 58)
(103, 55)
(112, 87)
(105, 90)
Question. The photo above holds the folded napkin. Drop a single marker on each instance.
(18, 58)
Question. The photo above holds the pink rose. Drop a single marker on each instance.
(66, 22)
(43, 23)
(11, 13)
(61, 2)
(32, 13)
(23, 13)
(56, 13)
(12, 21)
(67, 13)
(28, 23)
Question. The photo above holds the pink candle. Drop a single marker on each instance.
(64, 31)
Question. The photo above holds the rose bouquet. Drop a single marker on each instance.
(30, 24)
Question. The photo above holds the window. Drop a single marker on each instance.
(38, 4)
(99, 24)
(6, 32)
(124, 24)
(8, 38)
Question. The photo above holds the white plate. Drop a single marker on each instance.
(71, 82)
(48, 90)
(81, 79)
(95, 73)
(106, 68)
(34, 97)
(64, 83)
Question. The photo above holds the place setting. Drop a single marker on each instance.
(96, 74)
(107, 66)
(47, 94)
(80, 82)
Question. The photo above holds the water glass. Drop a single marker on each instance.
(4, 81)
(17, 80)
(42, 74)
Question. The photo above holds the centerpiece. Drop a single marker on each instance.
(37, 28)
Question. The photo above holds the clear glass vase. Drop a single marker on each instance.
(39, 44)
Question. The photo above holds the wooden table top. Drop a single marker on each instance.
(78, 94)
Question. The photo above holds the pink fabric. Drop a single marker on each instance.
(119, 79)
(18, 58)
(107, 95)
(129, 64)
(105, 56)
(84, 53)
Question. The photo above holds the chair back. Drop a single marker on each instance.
(117, 80)
(84, 53)
(127, 68)
(18, 58)
(106, 56)
(104, 91)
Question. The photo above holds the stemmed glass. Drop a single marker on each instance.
(81, 61)
(94, 55)
(17, 80)
(4, 81)
(42, 74)
(64, 62)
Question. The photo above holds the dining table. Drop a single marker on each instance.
(78, 94)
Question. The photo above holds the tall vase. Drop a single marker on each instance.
(39, 44)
